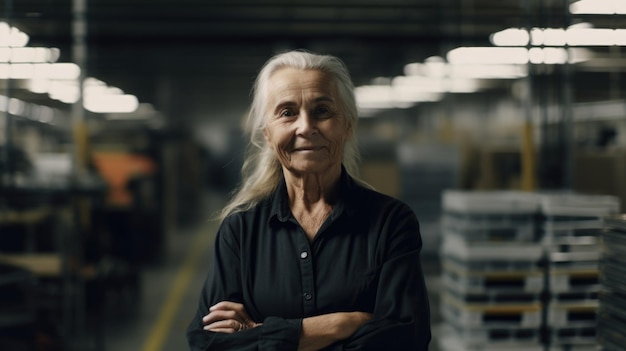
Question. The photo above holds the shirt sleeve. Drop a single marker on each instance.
(401, 318)
(224, 284)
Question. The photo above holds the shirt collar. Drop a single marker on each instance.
(347, 201)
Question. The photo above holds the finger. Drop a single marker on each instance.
(225, 326)
(227, 305)
(239, 310)
(218, 315)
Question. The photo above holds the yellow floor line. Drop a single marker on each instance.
(163, 323)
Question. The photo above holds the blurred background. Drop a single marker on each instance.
(120, 138)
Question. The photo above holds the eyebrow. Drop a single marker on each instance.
(323, 98)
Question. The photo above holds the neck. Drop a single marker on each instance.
(307, 190)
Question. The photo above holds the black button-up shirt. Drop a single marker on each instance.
(365, 257)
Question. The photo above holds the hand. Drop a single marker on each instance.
(228, 317)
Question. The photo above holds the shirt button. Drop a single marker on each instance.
(304, 254)
(308, 296)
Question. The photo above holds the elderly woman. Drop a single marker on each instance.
(308, 257)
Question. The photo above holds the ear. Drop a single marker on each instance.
(266, 135)
(349, 130)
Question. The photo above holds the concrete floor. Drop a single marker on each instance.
(170, 290)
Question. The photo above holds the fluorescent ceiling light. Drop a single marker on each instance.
(111, 103)
(488, 55)
(376, 97)
(39, 71)
(510, 37)
(29, 55)
(12, 37)
(64, 91)
(519, 56)
(552, 37)
(592, 37)
(598, 7)
(475, 71)
(99, 97)
(488, 71)
(435, 85)
(582, 34)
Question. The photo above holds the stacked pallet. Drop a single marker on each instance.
(17, 308)
(612, 309)
(491, 272)
(572, 226)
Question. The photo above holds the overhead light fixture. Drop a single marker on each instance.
(435, 85)
(474, 71)
(598, 7)
(488, 55)
(582, 34)
(29, 55)
(12, 37)
(66, 91)
(548, 37)
(510, 37)
(63, 71)
(377, 97)
(593, 37)
(98, 97)
(124, 103)
(517, 56)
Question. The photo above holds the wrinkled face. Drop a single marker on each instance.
(306, 126)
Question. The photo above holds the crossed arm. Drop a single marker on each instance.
(317, 332)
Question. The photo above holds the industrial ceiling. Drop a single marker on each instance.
(196, 59)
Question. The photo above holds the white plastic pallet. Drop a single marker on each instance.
(573, 244)
(573, 280)
(587, 346)
(576, 207)
(493, 265)
(454, 343)
(494, 335)
(574, 314)
(558, 232)
(463, 314)
(462, 250)
(489, 232)
(482, 282)
(576, 296)
(572, 335)
(495, 202)
(574, 260)
(495, 297)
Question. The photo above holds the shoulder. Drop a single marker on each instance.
(368, 200)
(242, 222)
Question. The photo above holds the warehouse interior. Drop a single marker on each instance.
(121, 138)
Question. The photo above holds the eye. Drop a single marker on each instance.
(286, 113)
(322, 112)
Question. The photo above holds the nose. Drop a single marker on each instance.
(306, 124)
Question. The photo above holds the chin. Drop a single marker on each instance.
(311, 168)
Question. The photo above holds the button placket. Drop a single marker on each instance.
(308, 279)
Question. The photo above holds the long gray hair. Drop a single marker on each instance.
(261, 171)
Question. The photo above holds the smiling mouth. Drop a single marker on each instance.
(309, 148)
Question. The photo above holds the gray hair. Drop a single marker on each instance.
(261, 171)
